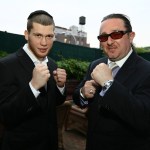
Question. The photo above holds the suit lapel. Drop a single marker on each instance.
(25, 61)
(127, 69)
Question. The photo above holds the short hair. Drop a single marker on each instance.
(125, 19)
(41, 17)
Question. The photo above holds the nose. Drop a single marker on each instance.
(43, 41)
(110, 40)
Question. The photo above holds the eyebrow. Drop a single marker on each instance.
(113, 31)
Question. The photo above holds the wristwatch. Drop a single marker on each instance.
(107, 84)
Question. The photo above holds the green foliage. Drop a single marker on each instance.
(142, 49)
(75, 68)
(3, 54)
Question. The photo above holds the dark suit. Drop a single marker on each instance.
(30, 122)
(121, 119)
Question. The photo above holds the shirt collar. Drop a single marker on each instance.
(32, 56)
(123, 60)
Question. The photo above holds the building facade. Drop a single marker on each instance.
(71, 36)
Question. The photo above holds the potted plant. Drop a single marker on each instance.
(75, 70)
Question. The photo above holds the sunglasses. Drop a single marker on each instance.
(114, 35)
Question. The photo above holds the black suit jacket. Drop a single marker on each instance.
(30, 122)
(120, 120)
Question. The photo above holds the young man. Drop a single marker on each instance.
(31, 86)
(118, 99)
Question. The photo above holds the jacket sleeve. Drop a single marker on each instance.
(16, 101)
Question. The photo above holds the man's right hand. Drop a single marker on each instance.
(101, 73)
(40, 76)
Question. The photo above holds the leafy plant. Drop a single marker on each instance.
(142, 50)
(75, 68)
(3, 54)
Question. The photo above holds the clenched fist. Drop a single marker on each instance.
(60, 77)
(40, 76)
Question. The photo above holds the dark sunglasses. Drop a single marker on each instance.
(114, 35)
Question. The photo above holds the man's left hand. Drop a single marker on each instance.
(60, 77)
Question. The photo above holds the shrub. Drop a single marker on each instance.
(75, 68)
(3, 54)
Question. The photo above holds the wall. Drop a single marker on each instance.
(11, 42)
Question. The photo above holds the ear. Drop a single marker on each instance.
(132, 35)
(26, 34)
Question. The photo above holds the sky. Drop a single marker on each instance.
(14, 13)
